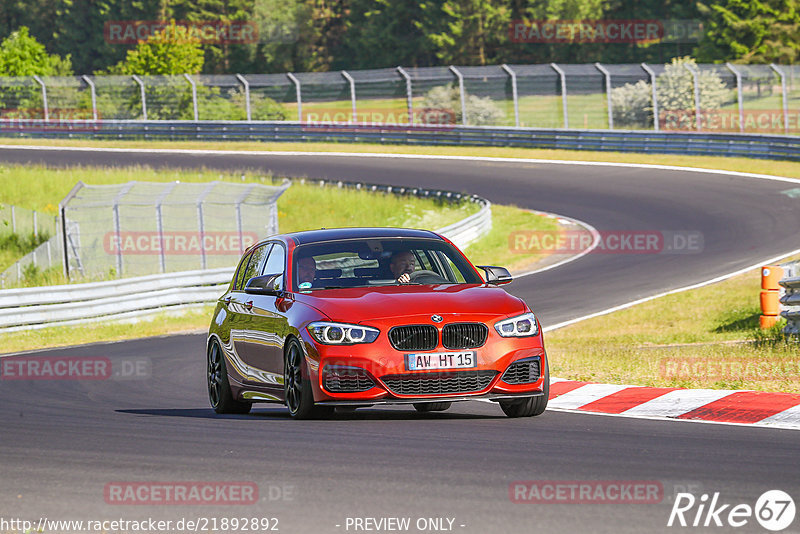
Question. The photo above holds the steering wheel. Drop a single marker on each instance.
(426, 277)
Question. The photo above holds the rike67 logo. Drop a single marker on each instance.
(774, 510)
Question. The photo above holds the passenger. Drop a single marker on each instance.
(402, 264)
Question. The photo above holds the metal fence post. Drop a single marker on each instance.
(44, 97)
(774, 67)
(201, 223)
(141, 92)
(409, 95)
(62, 208)
(296, 83)
(160, 224)
(654, 96)
(352, 83)
(194, 96)
(461, 92)
(514, 95)
(739, 97)
(239, 223)
(90, 83)
(13, 219)
(697, 113)
(246, 95)
(563, 78)
(607, 76)
(35, 224)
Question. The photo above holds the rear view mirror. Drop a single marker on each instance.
(496, 275)
(269, 284)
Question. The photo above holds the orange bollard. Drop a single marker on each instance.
(770, 305)
(767, 321)
(770, 276)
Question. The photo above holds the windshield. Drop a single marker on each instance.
(379, 262)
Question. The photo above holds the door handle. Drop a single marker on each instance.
(249, 305)
(227, 300)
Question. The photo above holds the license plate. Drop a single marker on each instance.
(441, 360)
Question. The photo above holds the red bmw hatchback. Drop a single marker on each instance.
(367, 316)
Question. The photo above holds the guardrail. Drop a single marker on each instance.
(36, 307)
(687, 143)
(790, 301)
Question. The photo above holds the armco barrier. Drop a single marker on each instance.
(791, 298)
(37, 307)
(687, 143)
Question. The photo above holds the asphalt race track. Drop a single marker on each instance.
(63, 442)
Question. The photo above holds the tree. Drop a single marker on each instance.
(23, 55)
(473, 31)
(173, 50)
(757, 31)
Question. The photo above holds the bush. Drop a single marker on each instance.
(480, 110)
(632, 103)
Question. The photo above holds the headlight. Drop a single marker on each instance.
(341, 333)
(520, 326)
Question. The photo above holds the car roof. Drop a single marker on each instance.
(331, 234)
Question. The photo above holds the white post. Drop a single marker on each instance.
(739, 97)
(461, 92)
(299, 96)
(409, 95)
(35, 224)
(563, 92)
(44, 97)
(514, 95)
(194, 96)
(652, 74)
(607, 76)
(90, 83)
(246, 95)
(774, 67)
(352, 94)
(141, 92)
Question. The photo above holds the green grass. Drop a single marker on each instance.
(690, 339)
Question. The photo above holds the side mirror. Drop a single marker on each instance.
(496, 275)
(269, 284)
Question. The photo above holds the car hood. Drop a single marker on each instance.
(355, 305)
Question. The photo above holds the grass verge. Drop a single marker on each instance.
(702, 338)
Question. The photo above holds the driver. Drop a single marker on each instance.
(306, 269)
(402, 264)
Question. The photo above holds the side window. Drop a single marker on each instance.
(276, 261)
(255, 263)
(276, 264)
(239, 285)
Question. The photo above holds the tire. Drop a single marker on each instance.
(219, 389)
(432, 406)
(532, 406)
(297, 386)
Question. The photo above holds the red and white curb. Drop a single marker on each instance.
(778, 410)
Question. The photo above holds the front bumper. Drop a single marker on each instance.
(382, 363)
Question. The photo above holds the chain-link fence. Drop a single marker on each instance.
(680, 96)
(141, 228)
